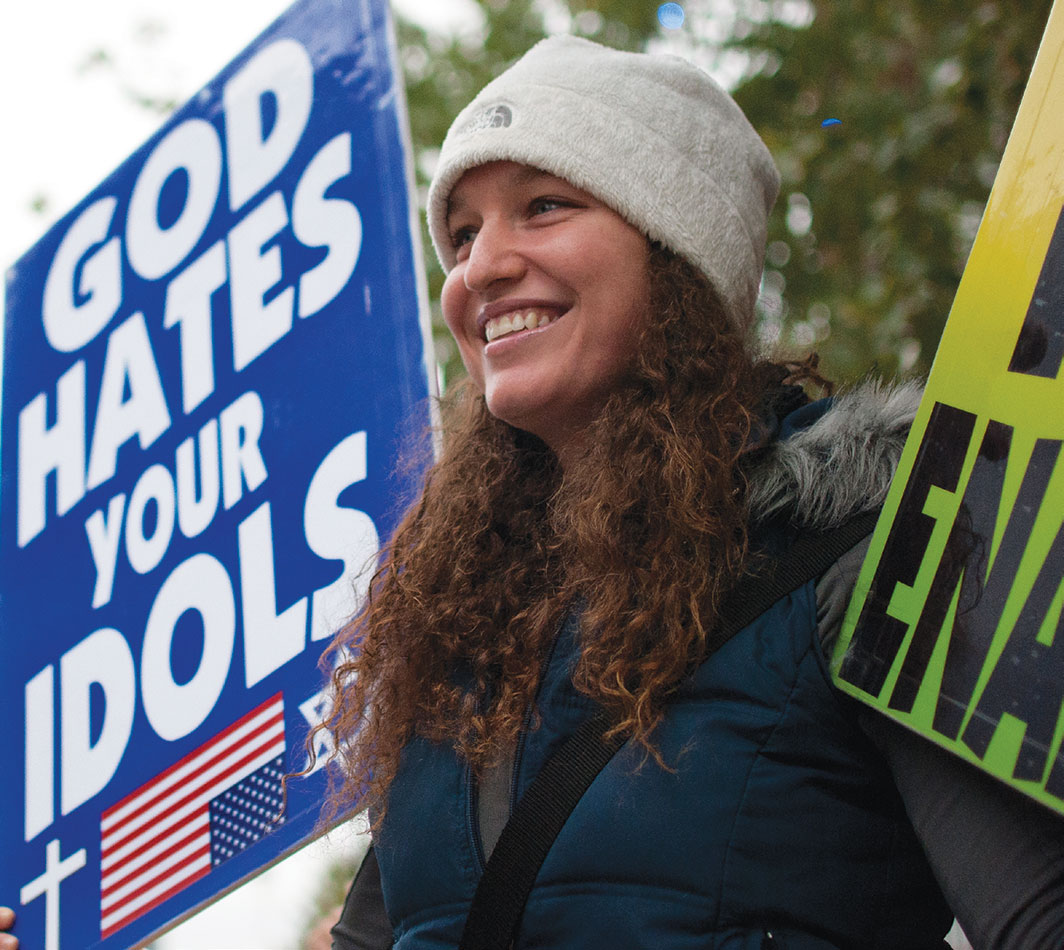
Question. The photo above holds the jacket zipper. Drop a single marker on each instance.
(472, 809)
(472, 823)
(519, 749)
(473, 792)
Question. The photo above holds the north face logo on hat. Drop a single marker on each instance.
(493, 117)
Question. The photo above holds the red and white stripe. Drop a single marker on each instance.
(157, 840)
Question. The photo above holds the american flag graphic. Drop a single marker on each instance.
(202, 810)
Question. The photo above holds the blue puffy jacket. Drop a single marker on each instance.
(778, 825)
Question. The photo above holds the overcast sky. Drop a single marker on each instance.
(69, 117)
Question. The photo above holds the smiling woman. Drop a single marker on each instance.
(547, 297)
(618, 461)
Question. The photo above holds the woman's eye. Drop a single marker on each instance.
(543, 205)
(461, 237)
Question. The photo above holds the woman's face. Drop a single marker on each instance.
(547, 299)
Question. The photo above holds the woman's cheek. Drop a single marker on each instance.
(451, 304)
(468, 350)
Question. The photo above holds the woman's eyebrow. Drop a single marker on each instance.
(454, 205)
(527, 174)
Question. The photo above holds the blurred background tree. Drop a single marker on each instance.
(877, 213)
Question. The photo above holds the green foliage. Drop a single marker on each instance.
(876, 214)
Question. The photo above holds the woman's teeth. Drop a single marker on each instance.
(515, 322)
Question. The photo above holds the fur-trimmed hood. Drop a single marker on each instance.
(841, 464)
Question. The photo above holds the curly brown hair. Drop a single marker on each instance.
(645, 531)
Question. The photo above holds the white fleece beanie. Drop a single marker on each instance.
(651, 136)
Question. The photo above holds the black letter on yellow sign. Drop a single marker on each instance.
(964, 562)
(1040, 347)
(1028, 678)
(878, 635)
(983, 595)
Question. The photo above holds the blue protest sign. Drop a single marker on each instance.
(210, 366)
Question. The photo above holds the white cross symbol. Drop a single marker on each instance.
(55, 872)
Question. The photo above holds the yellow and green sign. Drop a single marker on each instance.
(956, 627)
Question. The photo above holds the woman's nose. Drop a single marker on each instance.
(494, 257)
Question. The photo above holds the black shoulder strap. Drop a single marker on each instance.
(809, 557)
(544, 808)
